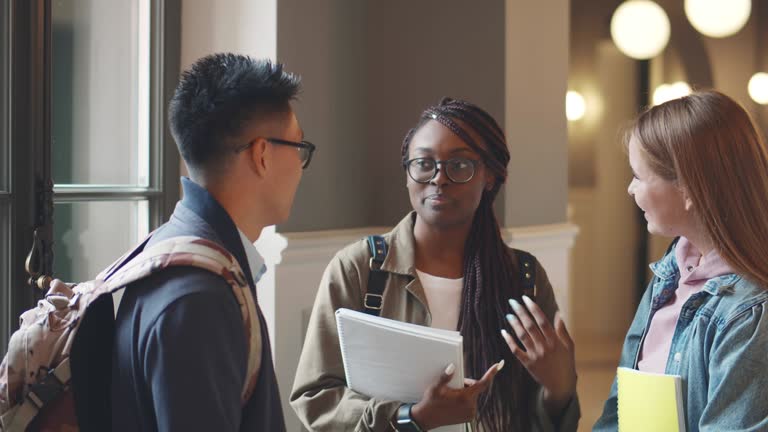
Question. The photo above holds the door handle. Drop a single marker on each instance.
(34, 264)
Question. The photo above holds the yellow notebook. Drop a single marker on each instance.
(650, 402)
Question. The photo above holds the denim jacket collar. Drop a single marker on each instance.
(667, 269)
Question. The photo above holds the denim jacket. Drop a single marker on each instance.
(719, 348)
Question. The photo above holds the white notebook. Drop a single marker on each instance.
(392, 360)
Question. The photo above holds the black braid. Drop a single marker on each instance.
(491, 275)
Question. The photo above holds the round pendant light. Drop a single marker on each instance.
(640, 28)
(667, 92)
(718, 18)
(758, 88)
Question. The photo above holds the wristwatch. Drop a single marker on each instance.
(404, 421)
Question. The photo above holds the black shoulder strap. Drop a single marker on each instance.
(527, 272)
(376, 278)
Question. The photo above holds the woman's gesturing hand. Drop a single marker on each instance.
(442, 405)
(547, 352)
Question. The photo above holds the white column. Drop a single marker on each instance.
(536, 193)
(536, 77)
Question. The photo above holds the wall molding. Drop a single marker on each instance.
(541, 236)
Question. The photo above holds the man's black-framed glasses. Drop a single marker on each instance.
(305, 148)
(424, 169)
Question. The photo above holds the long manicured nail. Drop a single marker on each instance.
(504, 333)
(500, 365)
(510, 318)
(527, 301)
(450, 369)
(515, 305)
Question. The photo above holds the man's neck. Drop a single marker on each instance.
(247, 218)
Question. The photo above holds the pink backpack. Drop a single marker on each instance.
(35, 374)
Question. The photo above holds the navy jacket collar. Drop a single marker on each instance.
(198, 200)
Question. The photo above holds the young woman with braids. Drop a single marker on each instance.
(700, 173)
(447, 267)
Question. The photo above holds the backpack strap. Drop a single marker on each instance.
(377, 278)
(127, 257)
(207, 255)
(527, 264)
(39, 395)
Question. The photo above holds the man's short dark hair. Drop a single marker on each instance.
(217, 96)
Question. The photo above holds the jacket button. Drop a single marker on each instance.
(678, 357)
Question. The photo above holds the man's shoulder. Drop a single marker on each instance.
(174, 284)
(149, 298)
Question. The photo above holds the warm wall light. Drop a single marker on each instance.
(718, 18)
(640, 28)
(758, 88)
(667, 92)
(575, 106)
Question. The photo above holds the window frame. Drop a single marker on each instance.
(25, 88)
(5, 166)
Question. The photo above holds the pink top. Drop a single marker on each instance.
(655, 350)
(443, 299)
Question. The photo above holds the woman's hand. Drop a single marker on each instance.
(547, 352)
(442, 405)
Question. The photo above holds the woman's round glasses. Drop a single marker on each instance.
(423, 170)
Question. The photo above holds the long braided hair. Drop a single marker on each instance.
(490, 274)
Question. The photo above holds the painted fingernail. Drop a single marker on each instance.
(500, 365)
(527, 300)
(515, 305)
(510, 317)
(504, 333)
(450, 369)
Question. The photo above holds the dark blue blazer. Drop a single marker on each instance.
(179, 350)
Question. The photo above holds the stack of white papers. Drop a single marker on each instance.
(392, 360)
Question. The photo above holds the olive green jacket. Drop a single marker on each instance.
(320, 396)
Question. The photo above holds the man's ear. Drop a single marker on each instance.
(260, 154)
